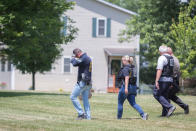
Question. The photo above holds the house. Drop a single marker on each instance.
(99, 24)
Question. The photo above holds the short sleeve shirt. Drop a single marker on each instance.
(162, 61)
(176, 68)
(125, 71)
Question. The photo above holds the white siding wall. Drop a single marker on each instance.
(5, 77)
(83, 13)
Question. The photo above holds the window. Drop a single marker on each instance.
(9, 66)
(101, 27)
(67, 67)
(2, 65)
(115, 66)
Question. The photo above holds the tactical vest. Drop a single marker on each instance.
(168, 69)
(132, 75)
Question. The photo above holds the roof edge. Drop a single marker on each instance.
(116, 7)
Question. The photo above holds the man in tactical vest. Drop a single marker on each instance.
(83, 86)
(175, 86)
(164, 79)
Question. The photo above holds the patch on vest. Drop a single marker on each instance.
(171, 62)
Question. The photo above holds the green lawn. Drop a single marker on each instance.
(54, 111)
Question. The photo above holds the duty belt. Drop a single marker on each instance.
(166, 79)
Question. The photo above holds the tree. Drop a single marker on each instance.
(184, 34)
(152, 23)
(31, 31)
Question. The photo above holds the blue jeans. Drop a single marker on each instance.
(130, 97)
(81, 88)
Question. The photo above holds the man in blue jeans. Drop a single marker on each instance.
(83, 85)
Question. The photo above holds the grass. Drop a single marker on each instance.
(42, 111)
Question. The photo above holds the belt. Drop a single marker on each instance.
(166, 79)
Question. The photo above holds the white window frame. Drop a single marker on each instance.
(105, 27)
(71, 70)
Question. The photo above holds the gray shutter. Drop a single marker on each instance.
(2, 65)
(65, 25)
(9, 66)
(94, 27)
(108, 33)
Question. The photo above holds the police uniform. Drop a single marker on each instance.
(127, 70)
(84, 65)
(166, 64)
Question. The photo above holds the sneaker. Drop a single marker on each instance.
(186, 110)
(171, 110)
(80, 117)
(145, 116)
(85, 117)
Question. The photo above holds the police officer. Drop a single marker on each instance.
(83, 86)
(175, 86)
(164, 79)
(127, 77)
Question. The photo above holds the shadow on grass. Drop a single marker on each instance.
(133, 118)
(178, 113)
(15, 94)
(174, 114)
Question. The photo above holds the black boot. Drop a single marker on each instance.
(186, 109)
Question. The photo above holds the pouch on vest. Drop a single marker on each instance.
(132, 90)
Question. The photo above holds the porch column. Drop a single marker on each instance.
(12, 81)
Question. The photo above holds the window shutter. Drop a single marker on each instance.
(108, 33)
(2, 65)
(9, 66)
(65, 25)
(94, 27)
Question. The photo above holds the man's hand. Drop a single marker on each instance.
(126, 91)
(158, 75)
(157, 84)
(171, 87)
